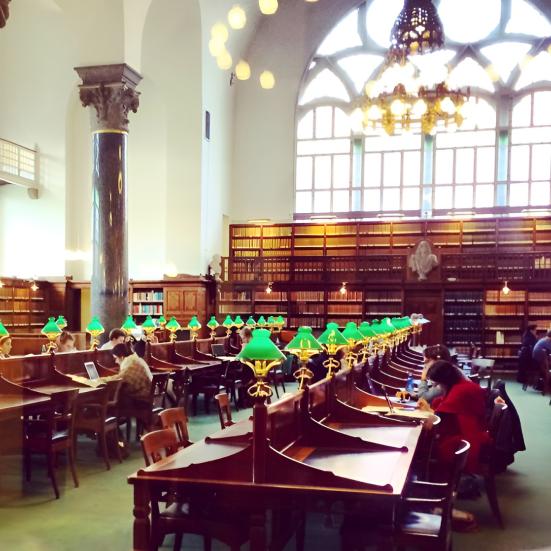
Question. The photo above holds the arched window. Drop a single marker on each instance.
(500, 158)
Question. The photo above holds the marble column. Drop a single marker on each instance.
(111, 91)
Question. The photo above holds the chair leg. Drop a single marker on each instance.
(283, 383)
(51, 473)
(115, 434)
(178, 541)
(71, 459)
(128, 427)
(103, 444)
(275, 387)
(490, 485)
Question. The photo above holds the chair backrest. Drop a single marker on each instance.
(175, 419)
(159, 385)
(495, 418)
(224, 410)
(158, 444)
(63, 408)
(459, 461)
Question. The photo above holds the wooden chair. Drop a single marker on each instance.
(51, 434)
(224, 410)
(179, 517)
(146, 414)
(94, 419)
(417, 524)
(490, 464)
(175, 419)
(276, 378)
(233, 382)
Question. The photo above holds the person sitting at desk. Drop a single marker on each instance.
(246, 335)
(117, 336)
(135, 374)
(540, 354)
(431, 355)
(66, 342)
(462, 409)
(5, 347)
(233, 344)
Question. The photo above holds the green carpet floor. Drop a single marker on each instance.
(98, 515)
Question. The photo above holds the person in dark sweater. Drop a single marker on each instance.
(525, 361)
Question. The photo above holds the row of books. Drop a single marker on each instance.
(147, 296)
(274, 296)
(544, 296)
(307, 296)
(542, 263)
(234, 296)
(504, 310)
(538, 310)
(354, 309)
(148, 309)
(249, 231)
(469, 309)
(246, 243)
(316, 323)
(499, 296)
(464, 296)
(281, 243)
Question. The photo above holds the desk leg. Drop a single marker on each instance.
(258, 531)
(142, 529)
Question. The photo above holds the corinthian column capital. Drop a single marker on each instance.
(111, 91)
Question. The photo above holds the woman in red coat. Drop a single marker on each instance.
(463, 413)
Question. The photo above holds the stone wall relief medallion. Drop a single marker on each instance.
(422, 261)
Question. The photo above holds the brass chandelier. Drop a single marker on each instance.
(402, 97)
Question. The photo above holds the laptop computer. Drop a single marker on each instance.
(218, 350)
(91, 370)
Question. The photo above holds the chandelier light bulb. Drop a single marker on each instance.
(447, 106)
(419, 108)
(220, 32)
(267, 80)
(237, 18)
(398, 107)
(216, 47)
(243, 70)
(268, 7)
(374, 113)
(224, 61)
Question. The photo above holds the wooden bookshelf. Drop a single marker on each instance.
(463, 318)
(23, 310)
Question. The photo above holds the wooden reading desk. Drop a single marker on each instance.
(284, 460)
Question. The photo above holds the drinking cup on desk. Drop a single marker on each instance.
(403, 396)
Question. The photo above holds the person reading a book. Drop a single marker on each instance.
(5, 347)
(66, 342)
(540, 354)
(431, 355)
(462, 409)
(117, 336)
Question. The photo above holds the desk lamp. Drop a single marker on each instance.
(212, 325)
(61, 322)
(332, 341)
(304, 345)
(173, 326)
(149, 327)
(353, 337)
(194, 327)
(260, 354)
(94, 329)
(51, 331)
(368, 336)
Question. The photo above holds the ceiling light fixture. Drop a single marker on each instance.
(506, 289)
(269, 288)
(342, 290)
(403, 97)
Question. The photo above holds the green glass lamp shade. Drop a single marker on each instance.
(162, 321)
(271, 320)
(280, 322)
(250, 323)
(173, 325)
(95, 327)
(129, 325)
(228, 322)
(261, 321)
(332, 336)
(149, 325)
(51, 329)
(366, 330)
(194, 324)
(238, 322)
(3, 331)
(212, 323)
(305, 342)
(387, 324)
(351, 333)
(61, 322)
(261, 347)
